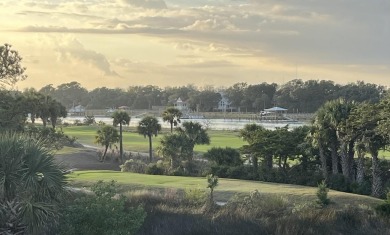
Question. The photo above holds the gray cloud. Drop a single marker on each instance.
(307, 32)
(74, 50)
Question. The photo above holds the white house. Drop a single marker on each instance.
(180, 105)
(224, 104)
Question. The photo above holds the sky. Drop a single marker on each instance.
(122, 43)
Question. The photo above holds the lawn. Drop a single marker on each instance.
(225, 189)
(132, 141)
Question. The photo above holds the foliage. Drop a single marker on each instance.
(136, 166)
(154, 169)
(172, 115)
(322, 194)
(195, 134)
(11, 70)
(102, 213)
(106, 136)
(195, 196)
(32, 185)
(12, 113)
(383, 209)
(175, 147)
(89, 120)
(51, 138)
(212, 183)
(224, 156)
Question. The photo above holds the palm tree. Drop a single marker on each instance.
(174, 147)
(106, 136)
(319, 134)
(325, 135)
(149, 127)
(365, 121)
(31, 187)
(339, 111)
(195, 134)
(121, 118)
(332, 121)
(172, 115)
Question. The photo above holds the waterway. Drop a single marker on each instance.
(212, 124)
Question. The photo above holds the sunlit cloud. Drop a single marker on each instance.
(219, 41)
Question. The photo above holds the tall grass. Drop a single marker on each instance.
(170, 211)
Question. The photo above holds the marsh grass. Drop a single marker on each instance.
(171, 212)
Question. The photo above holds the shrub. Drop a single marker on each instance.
(154, 169)
(363, 188)
(89, 120)
(339, 182)
(224, 156)
(322, 194)
(220, 171)
(77, 122)
(52, 138)
(384, 208)
(195, 196)
(135, 166)
(101, 213)
(239, 172)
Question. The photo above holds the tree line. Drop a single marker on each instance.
(296, 95)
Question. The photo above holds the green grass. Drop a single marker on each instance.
(132, 141)
(225, 189)
(67, 150)
(384, 154)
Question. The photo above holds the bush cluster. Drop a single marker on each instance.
(104, 212)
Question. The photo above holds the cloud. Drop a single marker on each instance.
(210, 64)
(152, 4)
(72, 50)
(205, 33)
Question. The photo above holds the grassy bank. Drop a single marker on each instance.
(278, 209)
(226, 188)
(132, 141)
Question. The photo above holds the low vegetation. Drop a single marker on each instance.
(176, 205)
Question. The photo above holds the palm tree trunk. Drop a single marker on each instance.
(335, 158)
(351, 155)
(377, 188)
(150, 148)
(360, 167)
(32, 117)
(323, 163)
(171, 127)
(269, 161)
(120, 143)
(345, 161)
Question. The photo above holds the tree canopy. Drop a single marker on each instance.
(11, 70)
